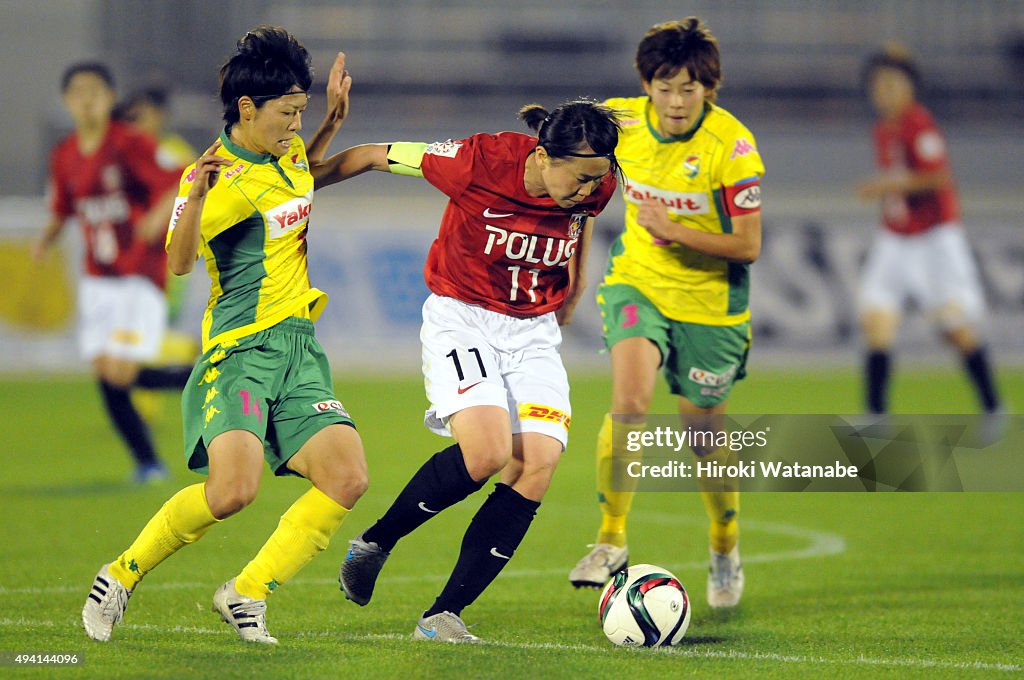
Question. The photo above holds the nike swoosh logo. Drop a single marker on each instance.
(463, 390)
(424, 508)
(431, 633)
(494, 551)
(488, 213)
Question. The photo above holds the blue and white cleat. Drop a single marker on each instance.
(444, 627)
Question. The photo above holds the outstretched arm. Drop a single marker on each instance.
(339, 82)
(349, 163)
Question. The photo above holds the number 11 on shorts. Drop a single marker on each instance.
(454, 355)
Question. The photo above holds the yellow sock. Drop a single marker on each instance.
(722, 503)
(612, 460)
(183, 519)
(304, 531)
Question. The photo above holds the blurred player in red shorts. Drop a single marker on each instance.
(921, 252)
(107, 176)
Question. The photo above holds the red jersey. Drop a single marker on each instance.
(109, 191)
(914, 143)
(498, 247)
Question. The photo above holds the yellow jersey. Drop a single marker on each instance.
(253, 239)
(703, 177)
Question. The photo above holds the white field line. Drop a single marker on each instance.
(559, 647)
(819, 544)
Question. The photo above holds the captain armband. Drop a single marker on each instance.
(406, 158)
(742, 198)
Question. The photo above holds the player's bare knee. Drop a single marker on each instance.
(230, 500)
(631, 407)
(482, 463)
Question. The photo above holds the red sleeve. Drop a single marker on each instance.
(139, 155)
(61, 204)
(449, 165)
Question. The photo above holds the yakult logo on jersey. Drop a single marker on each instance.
(530, 248)
(448, 148)
(678, 202)
(179, 207)
(289, 216)
(742, 148)
(705, 377)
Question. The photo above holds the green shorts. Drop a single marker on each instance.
(275, 383)
(701, 362)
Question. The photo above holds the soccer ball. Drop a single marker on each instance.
(644, 606)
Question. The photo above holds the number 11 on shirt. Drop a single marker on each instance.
(514, 293)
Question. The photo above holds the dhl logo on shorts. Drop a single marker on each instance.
(538, 412)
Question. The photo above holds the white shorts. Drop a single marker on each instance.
(122, 317)
(935, 269)
(476, 357)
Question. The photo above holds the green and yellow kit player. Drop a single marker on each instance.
(675, 293)
(262, 389)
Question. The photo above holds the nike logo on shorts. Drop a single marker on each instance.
(424, 508)
(488, 213)
(463, 390)
(494, 551)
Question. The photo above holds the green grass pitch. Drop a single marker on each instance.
(838, 585)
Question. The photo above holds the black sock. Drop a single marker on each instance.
(980, 372)
(440, 483)
(494, 534)
(876, 376)
(129, 423)
(163, 377)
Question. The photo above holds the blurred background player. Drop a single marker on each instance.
(106, 175)
(921, 252)
(148, 109)
(263, 388)
(506, 270)
(675, 293)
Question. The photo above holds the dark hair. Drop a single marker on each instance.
(268, 63)
(669, 47)
(154, 95)
(891, 56)
(573, 125)
(95, 67)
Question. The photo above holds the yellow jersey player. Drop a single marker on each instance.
(675, 292)
(262, 390)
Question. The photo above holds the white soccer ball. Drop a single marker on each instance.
(644, 606)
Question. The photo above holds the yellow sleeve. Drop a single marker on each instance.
(225, 207)
(742, 160)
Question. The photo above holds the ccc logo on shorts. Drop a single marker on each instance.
(538, 412)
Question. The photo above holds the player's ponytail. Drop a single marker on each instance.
(572, 127)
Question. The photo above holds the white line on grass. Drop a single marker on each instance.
(560, 647)
(819, 544)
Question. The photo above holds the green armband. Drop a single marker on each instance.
(405, 158)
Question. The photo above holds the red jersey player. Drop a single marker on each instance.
(105, 174)
(506, 268)
(921, 252)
